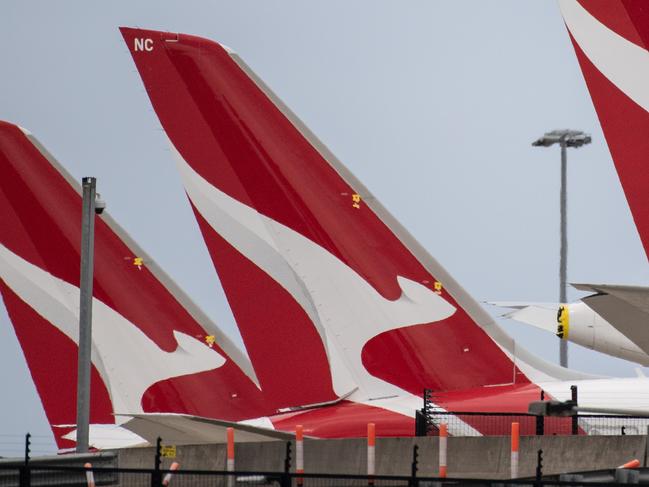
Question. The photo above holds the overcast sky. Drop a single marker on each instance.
(432, 104)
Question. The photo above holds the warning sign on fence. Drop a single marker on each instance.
(168, 451)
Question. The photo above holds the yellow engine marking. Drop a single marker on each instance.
(563, 322)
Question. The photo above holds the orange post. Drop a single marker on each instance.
(90, 476)
(635, 463)
(299, 452)
(371, 443)
(230, 461)
(230, 465)
(515, 443)
(443, 440)
(174, 466)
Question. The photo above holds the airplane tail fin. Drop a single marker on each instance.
(153, 350)
(611, 39)
(330, 293)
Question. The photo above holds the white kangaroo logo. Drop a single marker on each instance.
(347, 310)
(128, 361)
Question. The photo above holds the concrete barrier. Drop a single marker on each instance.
(106, 459)
(486, 457)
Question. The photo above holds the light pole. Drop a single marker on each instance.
(565, 138)
(91, 204)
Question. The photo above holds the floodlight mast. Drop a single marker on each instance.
(565, 138)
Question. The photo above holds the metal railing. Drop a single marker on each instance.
(55, 476)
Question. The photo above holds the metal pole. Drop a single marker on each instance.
(25, 472)
(563, 261)
(85, 313)
(574, 395)
(156, 476)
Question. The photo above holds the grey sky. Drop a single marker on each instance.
(432, 104)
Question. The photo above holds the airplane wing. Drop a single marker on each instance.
(625, 307)
(185, 429)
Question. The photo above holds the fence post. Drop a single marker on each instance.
(575, 418)
(286, 476)
(646, 447)
(24, 471)
(540, 420)
(421, 425)
(371, 458)
(540, 425)
(427, 410)
(230, 455)
(415, 466)
(515, 444)
(443, 439)
(156, 477)
(539, 466)
(299, 453)
(287, 458)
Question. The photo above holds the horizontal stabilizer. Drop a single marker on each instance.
(540, 315)
(625, 307)
(108, 436)
(184, 429)
(521, 304)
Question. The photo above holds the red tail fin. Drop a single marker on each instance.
(611, 39)
(327, 288)
(153, 350)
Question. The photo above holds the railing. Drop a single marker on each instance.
(55, 476)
